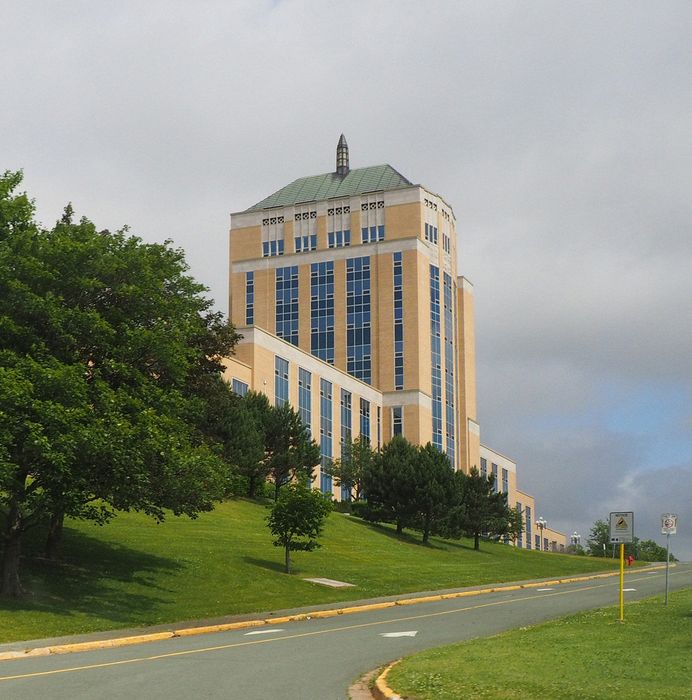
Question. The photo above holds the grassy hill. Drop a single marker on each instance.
(134, 572)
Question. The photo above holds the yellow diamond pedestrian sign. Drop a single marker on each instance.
(621, 527)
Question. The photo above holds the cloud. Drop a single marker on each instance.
(561, 133)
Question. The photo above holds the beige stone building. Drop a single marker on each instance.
(345, 289)
(505, 472)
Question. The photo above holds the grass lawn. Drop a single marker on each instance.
(590, 656)
(134, 572)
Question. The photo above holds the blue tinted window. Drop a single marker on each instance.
(239, 387)
(365, 419)
(397, 421)
(431, 233)
(305, 396)
(249, 298)
(398, 321)
(436, 357)
(449, 333)
(325, 433)
(280, 381)
(339, 239)
(346, 432)
(287, 303)
(322, 310)
(358, 338)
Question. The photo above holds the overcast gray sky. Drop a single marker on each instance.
(560, 132)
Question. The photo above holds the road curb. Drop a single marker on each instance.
(381, 691)
(318, 614)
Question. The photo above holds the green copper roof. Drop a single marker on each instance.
(317, 187)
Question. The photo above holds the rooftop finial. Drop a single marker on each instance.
(342, 157)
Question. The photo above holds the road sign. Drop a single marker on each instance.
(669, 524)
(621, 527)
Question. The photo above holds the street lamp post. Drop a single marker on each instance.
(541, 524)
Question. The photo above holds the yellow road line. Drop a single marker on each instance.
(186, 652)
(298, 617)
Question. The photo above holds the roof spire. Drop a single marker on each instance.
(342, 157)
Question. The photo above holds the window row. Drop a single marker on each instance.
(272, 248)
(305, 243)
(339, 239)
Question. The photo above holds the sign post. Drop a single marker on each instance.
(669, 526)
(621, 531)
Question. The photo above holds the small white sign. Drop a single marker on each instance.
(669, 524)
(621, 527)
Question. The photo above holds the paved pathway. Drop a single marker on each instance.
(316, 659)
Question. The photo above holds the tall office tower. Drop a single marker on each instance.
(345, 289)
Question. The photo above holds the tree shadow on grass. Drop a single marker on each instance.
(275, 566)
(408, 538)
(95, 578)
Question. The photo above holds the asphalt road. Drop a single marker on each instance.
(312, 660)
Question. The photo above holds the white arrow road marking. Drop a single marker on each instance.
(412, 633)
(628, 589)
(544, 589)
(247, 634)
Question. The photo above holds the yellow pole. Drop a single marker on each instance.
(622, 582)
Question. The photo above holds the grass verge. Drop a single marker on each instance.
(589, 656)
(134, 572)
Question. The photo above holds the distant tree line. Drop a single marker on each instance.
(599, 545)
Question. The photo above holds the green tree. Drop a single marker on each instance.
(598, 542)
(479, 508)
(259, 411)
(515, 523)
(648, 550)
(434, 485)
(291, 452)
(238, 426)
(104, 345)
(389, 485)
(296, 520)
(349, 471)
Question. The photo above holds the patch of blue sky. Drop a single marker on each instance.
(656, 418)
(661, 412)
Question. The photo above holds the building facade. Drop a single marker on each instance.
(345, 289)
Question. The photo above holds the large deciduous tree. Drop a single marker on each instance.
(599, 539)
(648, 550)
(105, 342)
